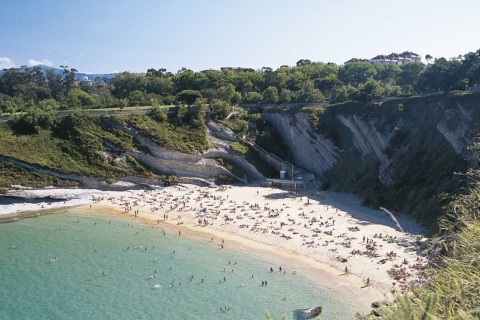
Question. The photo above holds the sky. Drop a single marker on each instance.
(110, 36)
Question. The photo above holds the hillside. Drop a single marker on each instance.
(401, 153)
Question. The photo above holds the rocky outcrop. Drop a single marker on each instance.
(220, 131)
(182, 164)
(380, 135)
(313, 152)
(369, 142)
(203, 169)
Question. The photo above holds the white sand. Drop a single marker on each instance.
(71, 197)
(313, 232)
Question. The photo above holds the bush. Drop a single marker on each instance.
(32, 121)
(224, 179)
(238, 147)
(138, 167)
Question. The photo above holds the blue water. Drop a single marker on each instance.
(52, 267)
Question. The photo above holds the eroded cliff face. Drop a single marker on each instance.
(313, 152)
(380, 135)
(407, 145)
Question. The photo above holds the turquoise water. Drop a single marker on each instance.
(52, 267)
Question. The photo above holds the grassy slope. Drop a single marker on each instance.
(14, 175)
(75, 144)
(166, 134)
(453, 290)
(40, 149)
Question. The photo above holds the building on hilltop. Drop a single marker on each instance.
(86, 82)
(392, 58)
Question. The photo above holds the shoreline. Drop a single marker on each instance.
(349, 288)
(281, 240)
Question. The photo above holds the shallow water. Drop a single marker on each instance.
(52, 267)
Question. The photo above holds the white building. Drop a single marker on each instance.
(395, 58)
(86, 82)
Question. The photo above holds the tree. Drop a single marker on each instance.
(55, 83)
(68, 78)
(137, 98)
(327, 84)
(36, 118)
(125, 83)
(252, 97)
(285, 96)
(270, 95)
(226, 93)
(159, 114)
(188, 96)
(370, 90)
(356, 73)
(266, 69)
(409, 75)
(104, 98)
(219, 110)
(77, 98)
(308, 93)
(160, 86)
(303, 62)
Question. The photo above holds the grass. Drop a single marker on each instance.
(452, 291)
(11, 174)
(239, 148)
(177, 137)
(88, 145)
(138, 166)
(74, 146)
(230, 167)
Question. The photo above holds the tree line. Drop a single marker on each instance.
(23, 88)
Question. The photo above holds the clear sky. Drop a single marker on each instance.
(104, 36)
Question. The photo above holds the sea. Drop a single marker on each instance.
(82, 265)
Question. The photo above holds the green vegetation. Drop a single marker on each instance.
(89, 146)
(452, 290)
(184, 132)
(138, 166)
(230, 167)
(239, 147)
(417, 185)
(11, 174)
(307, 81)
(254, 158)
(75, 145)
(171, 180)
(269, 139)
(224, 179)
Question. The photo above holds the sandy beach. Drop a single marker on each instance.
(362, 254)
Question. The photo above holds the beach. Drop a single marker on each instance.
(365, 255)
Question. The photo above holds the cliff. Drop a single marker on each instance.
(401, 153)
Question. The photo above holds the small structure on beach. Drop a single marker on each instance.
(287, 184)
